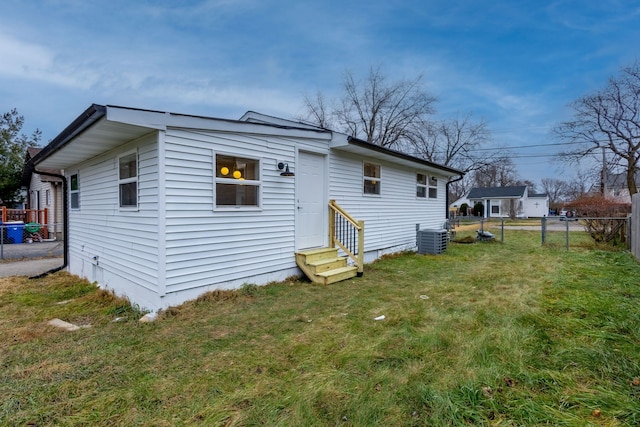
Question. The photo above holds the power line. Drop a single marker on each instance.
(517, 147)
(527, 146)
(525, 156)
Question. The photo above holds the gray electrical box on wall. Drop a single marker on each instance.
(432, 241)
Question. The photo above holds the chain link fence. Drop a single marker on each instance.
(554, 231)
(584, 231)
(20, 240)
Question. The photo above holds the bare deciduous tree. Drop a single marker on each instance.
(579, 186)
(397, 115)
(531, 186)
(457, 143)
(454, 143)
(385, 113)
(317, 111)
(556, 189)
(498, 174)
(609, 118)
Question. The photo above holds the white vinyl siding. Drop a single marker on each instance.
(108, 244)
(390, 220)
(227, 247)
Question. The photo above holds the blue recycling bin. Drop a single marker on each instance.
(15, 231)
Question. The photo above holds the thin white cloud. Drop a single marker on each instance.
(30, 61)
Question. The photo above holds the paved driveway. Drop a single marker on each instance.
(29, 267)
(31, 250)
(30, 259)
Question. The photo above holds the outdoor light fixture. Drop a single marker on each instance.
(286, 172)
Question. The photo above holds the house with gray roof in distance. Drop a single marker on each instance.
(616, 187)
(500, 202)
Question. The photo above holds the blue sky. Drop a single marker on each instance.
(514, 63)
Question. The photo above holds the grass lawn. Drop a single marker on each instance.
(507, 334)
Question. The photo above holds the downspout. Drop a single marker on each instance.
(65, 225)
(446, 215)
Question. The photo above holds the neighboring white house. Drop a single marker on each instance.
(501, 202)
(44, 193)
(617, 188)
(164, 207)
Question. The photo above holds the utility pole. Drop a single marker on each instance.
(603, 182)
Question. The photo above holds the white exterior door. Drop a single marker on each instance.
(311, 203)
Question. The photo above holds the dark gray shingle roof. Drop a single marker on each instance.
(497, 192)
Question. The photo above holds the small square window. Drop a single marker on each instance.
(237, 181)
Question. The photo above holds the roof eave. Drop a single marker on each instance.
(82, 122)
(399, 155)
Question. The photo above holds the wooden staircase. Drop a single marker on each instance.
(325, 266)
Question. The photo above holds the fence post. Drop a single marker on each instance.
(543, 227)
(45, 223)
(566, 223)
(502, 229)
(1, 240)
(628, 230)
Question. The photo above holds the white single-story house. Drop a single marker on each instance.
(163, 207)
(501, 202)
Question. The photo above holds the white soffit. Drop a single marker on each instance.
(101, 137)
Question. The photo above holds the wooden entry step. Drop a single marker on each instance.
(325, 266)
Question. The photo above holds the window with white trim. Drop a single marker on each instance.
(128, 180)
(421, 185)
(74, 191)
(47, 197)
(371, 177)
(433, 187)
(237, 181)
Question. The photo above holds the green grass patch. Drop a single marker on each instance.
(496, 333)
